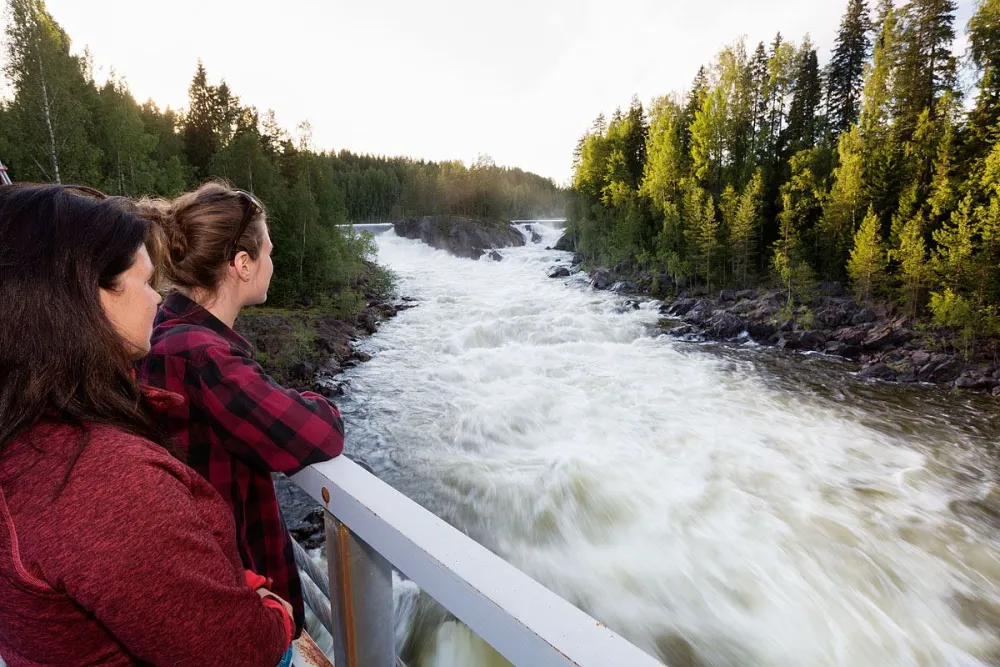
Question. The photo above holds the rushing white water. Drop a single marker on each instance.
(716, 506)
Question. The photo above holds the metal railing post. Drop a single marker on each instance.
(361, 600)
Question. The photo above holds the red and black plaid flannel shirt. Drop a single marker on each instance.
(237, 427)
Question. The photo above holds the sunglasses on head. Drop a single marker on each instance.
(84, 191)
(253, 209)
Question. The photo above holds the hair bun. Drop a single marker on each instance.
(160, 214)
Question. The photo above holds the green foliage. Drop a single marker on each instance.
(60, 126)
(969, 324)
(743, 231)
(749, 176)
(914, 272)
(845, 77)
(868, 259)
(844, 207)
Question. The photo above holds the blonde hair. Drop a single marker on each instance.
(197, 234)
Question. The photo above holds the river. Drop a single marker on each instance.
(717, 505)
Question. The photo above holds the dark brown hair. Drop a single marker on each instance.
(200, 230)
(60, 356)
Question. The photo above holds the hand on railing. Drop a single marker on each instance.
(264, 593)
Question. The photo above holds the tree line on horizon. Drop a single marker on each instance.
(60, 125)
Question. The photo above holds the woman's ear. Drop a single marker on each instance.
(244, 266)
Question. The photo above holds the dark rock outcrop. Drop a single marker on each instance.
(601, 279)
(462, 237)
(559, 272)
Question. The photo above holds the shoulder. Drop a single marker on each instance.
(191, 341)
(113, 460)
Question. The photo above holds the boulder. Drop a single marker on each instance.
(495, 256)
(700, 313)
(680, 308)
(975, 382)
(601, 279)
(462, 237)
(885, 335)
(566, 243)
(790, 340)
(878, 371)
(833, 315)
(683, 330)
(940, 373)
(623, 286)
(841, 349)
(559, 272)
(864, 316)
(726, 326)
(762, 332)
(742, 308)
(746, 295)
(812, 340)
(368, 321)
(851, 335)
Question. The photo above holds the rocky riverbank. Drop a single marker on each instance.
(883, 345)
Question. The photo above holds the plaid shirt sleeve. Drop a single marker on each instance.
(270, 428)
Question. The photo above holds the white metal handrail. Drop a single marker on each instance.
(525, 622)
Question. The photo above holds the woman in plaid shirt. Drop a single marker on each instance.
(238, 426)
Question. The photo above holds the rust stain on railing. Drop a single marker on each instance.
(310, 653)
(346, 593)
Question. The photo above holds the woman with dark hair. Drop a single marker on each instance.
(238, 426)
(112, 552)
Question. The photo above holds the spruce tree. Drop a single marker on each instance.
(911, 254)
(984, 50)
(743, 230)
(807, 98)
(846, 72)
(868, 259)
(200, 122)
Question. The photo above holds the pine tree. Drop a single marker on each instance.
(760, 102)
(847, 66)
(743, 230)
(842, 210)
(708, 138)
(665, 161)
(926, 67)
(868, 259)
(807, 98)
(781, 74)
(703, 232)
(943, 193)
(200, 138)
(881, 154)
(913, 269)
(695, 102)
(634, 143)
(789, 259)
(984, 50)
(953, 257)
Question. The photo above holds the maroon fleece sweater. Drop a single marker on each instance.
(133, 562)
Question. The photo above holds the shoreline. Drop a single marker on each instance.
(885, 346)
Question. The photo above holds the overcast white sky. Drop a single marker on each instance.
(520, 80)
